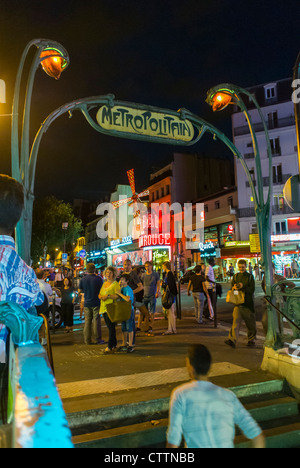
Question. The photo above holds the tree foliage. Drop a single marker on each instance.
(49, 214)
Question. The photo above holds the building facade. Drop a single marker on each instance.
(278, 111)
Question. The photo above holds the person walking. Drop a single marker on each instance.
(196, 286)
(67, 305)
(107, 295)
(243, 281)
(206, 414)
(151, 282)
(90, 286)
(169, 281)
(210, 287)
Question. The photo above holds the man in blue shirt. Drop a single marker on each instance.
(205, 414)
(90, 286)
(18, 282)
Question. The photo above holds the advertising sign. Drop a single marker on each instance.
(254, 243)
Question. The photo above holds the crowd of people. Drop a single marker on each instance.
(19, 284)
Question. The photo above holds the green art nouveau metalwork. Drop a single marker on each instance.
(35, 408)
(148, 123)
(47, 51)
(220, 97)
(23, 325)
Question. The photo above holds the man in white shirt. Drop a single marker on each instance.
(210, 286)
(205, 414)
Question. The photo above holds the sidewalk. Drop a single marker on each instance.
(88, 379)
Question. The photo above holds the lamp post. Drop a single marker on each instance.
(54, 60)
(219, 97)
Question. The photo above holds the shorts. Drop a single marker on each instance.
(128, 326)
(150, 303)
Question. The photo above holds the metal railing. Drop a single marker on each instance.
(35, 410)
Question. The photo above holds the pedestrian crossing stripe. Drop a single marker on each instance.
(135, 381)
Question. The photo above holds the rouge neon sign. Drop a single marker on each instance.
(154, 240)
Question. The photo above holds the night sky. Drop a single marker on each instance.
(164, 53)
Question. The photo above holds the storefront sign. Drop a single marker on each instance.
(293, 225)
(160, 255)
(144, 122)
(237, 244)
(154, 239)
(119, 242)
(207, 249)
(254, 243)
(285, 237)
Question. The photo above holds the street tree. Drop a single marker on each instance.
(49, 214)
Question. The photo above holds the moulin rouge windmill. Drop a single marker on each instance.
(133, 200)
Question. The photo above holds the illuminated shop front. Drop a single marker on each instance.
(157, 247)
(123, 249)
(285, 249)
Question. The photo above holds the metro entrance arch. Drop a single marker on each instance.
(134, 121)
(148, 123)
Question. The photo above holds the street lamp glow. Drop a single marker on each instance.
(220, 99)
(53, 62)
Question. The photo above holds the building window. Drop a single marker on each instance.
(217, 205)
(167, 189)
(254, 228)
(162, 190)
(205, 208)
(275, 146)
(277, 174)
(157, 194)
(278, 202)
(270, 91)
(230, 201)
(280, 227)
(272, 119)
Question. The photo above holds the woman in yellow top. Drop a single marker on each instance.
(107, 294)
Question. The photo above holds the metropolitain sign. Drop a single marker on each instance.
(144, 122)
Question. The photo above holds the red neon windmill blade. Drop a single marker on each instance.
(130, 175)
(135, 196)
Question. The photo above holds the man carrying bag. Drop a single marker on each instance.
(243, 285)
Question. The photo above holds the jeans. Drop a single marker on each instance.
(199, 298)
(92, 325)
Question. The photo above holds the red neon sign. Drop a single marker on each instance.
(154, 240)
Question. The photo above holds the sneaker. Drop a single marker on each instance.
(130, 349)
(122, 348)
(250, 344)
(230, 343)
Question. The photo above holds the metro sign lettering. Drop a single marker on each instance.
(154, 240)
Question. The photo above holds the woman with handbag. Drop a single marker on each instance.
(109, 293)
(126, 294)
(169, 298)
